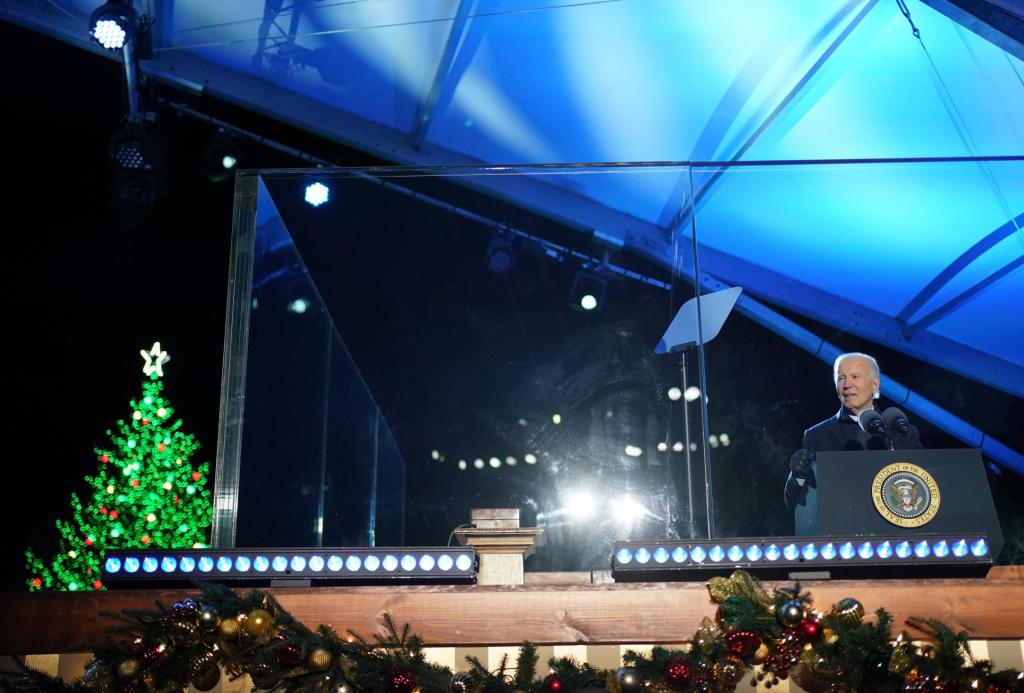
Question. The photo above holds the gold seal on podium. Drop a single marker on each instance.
(906, 495)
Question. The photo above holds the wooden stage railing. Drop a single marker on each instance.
(547, 614)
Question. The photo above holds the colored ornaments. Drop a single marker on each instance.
(319, 660)
(850, 611)
(629, 680)
(742, 643)
(257, 623)
(400, 680)
(791, 613)
(552, 684)
(678, 672)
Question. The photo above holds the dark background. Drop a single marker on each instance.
(82, 294)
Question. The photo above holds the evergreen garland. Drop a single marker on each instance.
(757, 636)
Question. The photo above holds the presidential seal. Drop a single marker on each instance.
(905, 494)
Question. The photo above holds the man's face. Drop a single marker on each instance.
(856, 384)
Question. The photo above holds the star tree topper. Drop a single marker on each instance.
(155, 359)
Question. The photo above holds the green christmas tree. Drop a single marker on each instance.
(146, 493)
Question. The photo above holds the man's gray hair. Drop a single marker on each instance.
(857, 355)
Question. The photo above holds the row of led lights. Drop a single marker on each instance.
(809, 552)
(260, 564)
(494, 462)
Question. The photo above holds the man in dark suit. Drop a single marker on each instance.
(857, 381)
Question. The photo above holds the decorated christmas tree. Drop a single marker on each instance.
(146, 493)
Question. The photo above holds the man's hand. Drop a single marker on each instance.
(800, 465)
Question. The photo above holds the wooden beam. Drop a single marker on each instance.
(991, 607)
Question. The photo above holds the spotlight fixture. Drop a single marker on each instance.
(221, 157)
(126, 567)
(135, 183)
(896, 556)
(501, 255)
(317, 193)
(113, 23)
(587, 292)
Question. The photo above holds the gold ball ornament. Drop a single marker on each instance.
(850, 611)
(257, 623)
(208, 618)
(206, 680)
(129, 669)
(731, 670)
(319, 660)
(761, 654)
(229, 628)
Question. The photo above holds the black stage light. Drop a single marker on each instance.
(113, 23)
(221, 157)
(446, 565)
(587, 291)
(501, 255)
(804, 557)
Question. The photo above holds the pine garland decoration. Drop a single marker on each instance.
(759, 637)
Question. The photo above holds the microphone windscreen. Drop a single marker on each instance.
(896, 419)
(872, 422)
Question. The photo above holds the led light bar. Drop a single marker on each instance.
(804, 557)
(331, 565)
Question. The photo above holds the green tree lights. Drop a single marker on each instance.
(146, 493)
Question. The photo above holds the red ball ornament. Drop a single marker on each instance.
(742, 643)
(678, 672)
(88, 541)
(113, 514)
(135, 483)
(104, 458)
(552, 684)
(195, 476)
(145, 422)
(145, 538)
(176, 499)
(97, 585)
(400, 680)
(289, 656)
(811, 628)
(103, 511)
(161, 447)
(36, 582)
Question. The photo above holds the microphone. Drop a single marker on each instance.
(896, 420)
(872, 422)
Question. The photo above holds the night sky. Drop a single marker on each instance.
(82, 295)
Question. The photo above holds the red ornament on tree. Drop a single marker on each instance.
(104, 458)
(161, 447)
(145, 538)
(36, 582)
(400, 680)
(145, 422)
(288, 656)
(552, 684)
(678, 672)
(88, 541)
(135, 483)
(195, 476)
(97, 585)
(113, 514)
(103, 511)
(811, 628)
(742, 643)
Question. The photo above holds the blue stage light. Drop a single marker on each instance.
(791, 552)
(187, 564)
(242, 564)
(903, 549)
(846, 551)
(112, 565)
(150, 564)
(371, 563)
(624, 556)
(463, 562)
(754, 552)
(317, 194)
(280, 564)
(960, 548)
(734, 553)
(698, 554)
(884, 550)
(261, 564)
(979, 548)
(866, 550)
(922, 549)
(809, 552)
(940, 548)
(427, 562)
(354, 563)
(335, 564)
(205, 564)
(316, 563)
(444, 562)
(298, 563)
(679, 554)
(772, 552)
(828, 551)
(390, 563)
(716, 553)
(131, 564)
(661, 554)
(408, 563)
(642, 555)
(224, 564)
(169, 564)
